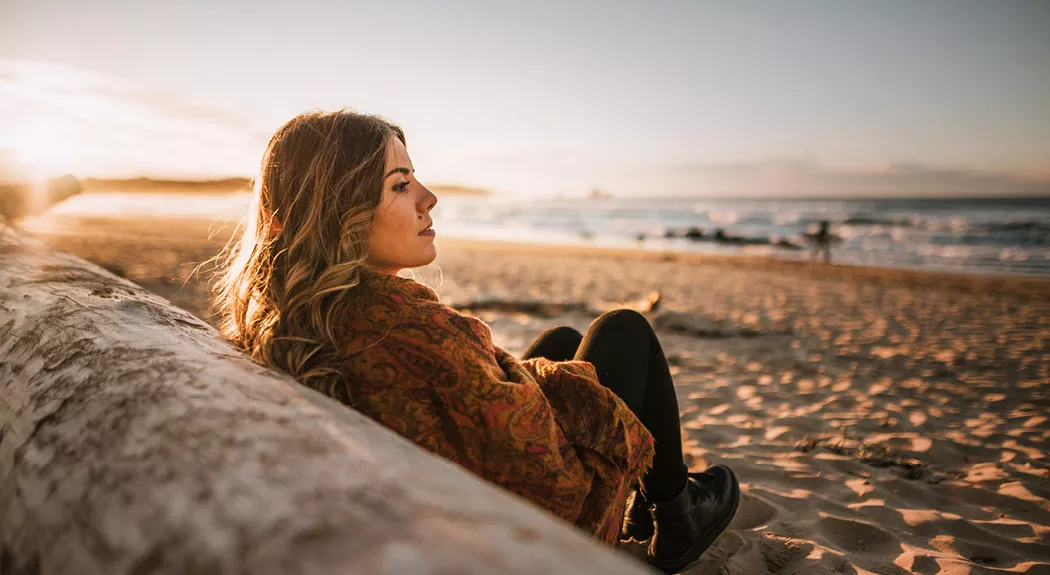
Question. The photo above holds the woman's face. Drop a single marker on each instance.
(402, 236)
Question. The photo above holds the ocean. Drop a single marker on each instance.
(997, 236)
(962, 235)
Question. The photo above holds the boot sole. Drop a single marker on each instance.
(706, 540)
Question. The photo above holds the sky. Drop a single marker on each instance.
(692, 98)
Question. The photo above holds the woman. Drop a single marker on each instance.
(311, 288)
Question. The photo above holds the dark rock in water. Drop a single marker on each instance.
(697, 234)
(866, 220)
(785, 244)
(694, 233)
(640, 237)
(723, 238)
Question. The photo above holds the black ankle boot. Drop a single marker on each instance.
(638, 518)
(688, 524)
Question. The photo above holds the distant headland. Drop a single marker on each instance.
(151, 185)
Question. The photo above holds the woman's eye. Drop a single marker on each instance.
(401, 187)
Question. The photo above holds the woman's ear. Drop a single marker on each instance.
(275, 226)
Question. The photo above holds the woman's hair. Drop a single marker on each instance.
(285, 284)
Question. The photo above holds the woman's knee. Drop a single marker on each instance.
(627, 320)
(563, 335)
(555, 344)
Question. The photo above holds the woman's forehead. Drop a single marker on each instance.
(397, 155)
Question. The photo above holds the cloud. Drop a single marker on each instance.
(106, 124)
(77, 91)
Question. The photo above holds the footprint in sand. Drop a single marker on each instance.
(974, 552)
(753, 512)
(746, 553)
(855, 536)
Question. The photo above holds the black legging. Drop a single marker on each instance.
(629, 360)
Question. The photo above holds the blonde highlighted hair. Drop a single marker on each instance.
(286, 277)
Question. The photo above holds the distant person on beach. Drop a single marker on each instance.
(821, 241)
(585, 426)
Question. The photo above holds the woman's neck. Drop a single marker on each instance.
(381, 269)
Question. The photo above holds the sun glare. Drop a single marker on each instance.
(45, 148)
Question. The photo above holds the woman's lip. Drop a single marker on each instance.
(429, 232)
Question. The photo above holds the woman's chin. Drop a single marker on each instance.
(429, 257)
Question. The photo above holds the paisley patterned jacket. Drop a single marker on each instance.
(547, 431)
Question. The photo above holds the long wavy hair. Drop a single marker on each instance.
(286, 276)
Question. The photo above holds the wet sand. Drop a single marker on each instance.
(880, 421)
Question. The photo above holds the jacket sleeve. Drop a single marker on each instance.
(592, 416)
(439, 383)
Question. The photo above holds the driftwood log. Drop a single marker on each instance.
(133, 441)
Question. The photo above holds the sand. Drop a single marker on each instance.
(880, 421)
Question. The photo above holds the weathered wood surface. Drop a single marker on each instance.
(134, 441)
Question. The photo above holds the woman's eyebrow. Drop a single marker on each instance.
(404, 171)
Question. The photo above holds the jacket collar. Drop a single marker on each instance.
(380, 303)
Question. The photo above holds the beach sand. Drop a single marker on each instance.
(879, 421)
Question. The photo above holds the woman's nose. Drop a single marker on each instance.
(431, 200)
